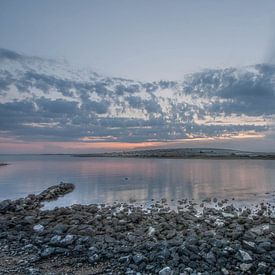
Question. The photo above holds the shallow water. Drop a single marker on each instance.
(105, 180)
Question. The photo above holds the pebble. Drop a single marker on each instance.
(134, 240)
(245, 267)
(165, 271)
(38, 228)
(244, 256)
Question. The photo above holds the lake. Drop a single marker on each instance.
(105, 180)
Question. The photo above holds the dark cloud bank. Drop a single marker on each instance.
(53, 107)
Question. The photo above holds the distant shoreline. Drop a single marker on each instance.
(186, 153)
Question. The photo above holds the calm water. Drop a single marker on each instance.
(104, 180)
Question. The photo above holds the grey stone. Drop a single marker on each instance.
(79, 248)
(228, 215)
(165, 271)
(245, 267)
(262, 268)
(138, 258)
(47, 251)
(244, 256)
(125, 259)
(210, 257)
(32, 271)
(60, 228)
(93, 258)
(55, 240)
(249, 245)
(265, 246)
(69, 239)
(225, 271)
(39, 228)
(4, 204)
(29, 219)
(151, 231)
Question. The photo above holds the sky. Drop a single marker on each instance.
(94, 76)
(144, 40)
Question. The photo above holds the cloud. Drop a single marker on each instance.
(7, 54)
(56, 105)
(151, 106)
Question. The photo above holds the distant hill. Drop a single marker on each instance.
(201, 153)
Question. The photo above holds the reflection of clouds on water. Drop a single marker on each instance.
(104, 179)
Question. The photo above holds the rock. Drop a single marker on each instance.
(61, 250)
(129, 271)
(210, 258)
(47, 251)
(93, 258)
(29, 219)
(245, 267)
(151, 231)
(219, 223)
(225, 271)
(69, 239)
(171, 234)
(56, 191)
(260, 229)
(34, 258)
(264, 246)
(165, 271)
(55, 240)
(92, 250)
(4, 205)
(249, 245)
(60, 228)
(262, 268)
(228, 215)
(38, 228)
(244, 256)
(84, 240)
(32, 271)
(125, 259)
(79, 248)
(138, 258)
(134, 240)
(207, 200)
(30, 248)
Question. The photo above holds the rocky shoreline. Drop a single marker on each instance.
(128, 239)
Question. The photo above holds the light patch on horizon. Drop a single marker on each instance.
(234, 119)
(238, 135)
(97, 138)
(42, 125)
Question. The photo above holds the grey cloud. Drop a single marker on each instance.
(6, 80)
(97, 107)
(150, 106)
(73, 124)
(58, 106)
(7, 54)
(164, 84)
(226, 92)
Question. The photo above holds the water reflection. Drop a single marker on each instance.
(108, 179)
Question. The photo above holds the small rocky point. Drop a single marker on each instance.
(129, 239)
